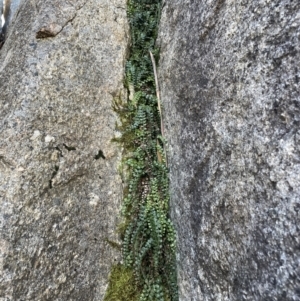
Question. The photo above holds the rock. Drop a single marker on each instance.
(1, 12)
(8, 11)
(229, 76)
(60, 68)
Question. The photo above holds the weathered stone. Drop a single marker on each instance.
(8, 10)
(1, 12)
(60, 68)
(229, 76)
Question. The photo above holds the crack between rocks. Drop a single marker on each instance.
(47, 34)
(71, 20)
(120, 7)
(56, 168)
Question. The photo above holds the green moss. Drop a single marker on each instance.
(121, 285)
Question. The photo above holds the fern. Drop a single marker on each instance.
(148, 235)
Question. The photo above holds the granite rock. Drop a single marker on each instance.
(8, 12)
(229, 77)
(60, 191)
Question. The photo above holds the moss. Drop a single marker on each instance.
(121, 285)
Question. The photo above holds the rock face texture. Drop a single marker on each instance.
(229, 76)
(8, 11)
(60, 191)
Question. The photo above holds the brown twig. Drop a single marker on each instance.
(158, 102)
(157, 93)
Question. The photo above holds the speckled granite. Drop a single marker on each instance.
(60, 190)
(229, 76)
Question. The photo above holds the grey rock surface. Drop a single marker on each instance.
(229, 76)
(60, 191)
(12, 9)
(1, 13)
(8, 10)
